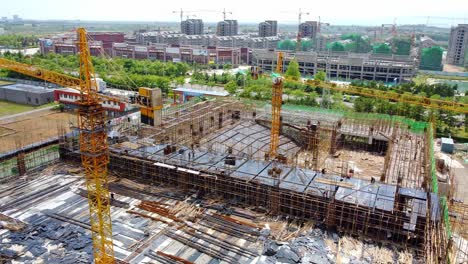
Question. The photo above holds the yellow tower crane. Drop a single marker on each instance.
(94, 155)
(276, 102)
(93, 141)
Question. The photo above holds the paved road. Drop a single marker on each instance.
(6, 119)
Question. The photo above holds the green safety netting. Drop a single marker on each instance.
(445, 212)
(412, 125)
(435, 186)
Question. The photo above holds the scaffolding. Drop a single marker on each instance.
(220, 148)
(26, 159)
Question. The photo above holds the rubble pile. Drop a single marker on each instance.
(322, 247)
(50, 241)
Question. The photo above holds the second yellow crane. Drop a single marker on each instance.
(276, 102)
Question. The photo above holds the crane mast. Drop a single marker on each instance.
(94, 155)
(276, 102)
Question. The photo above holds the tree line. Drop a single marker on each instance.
(18, 41)
(116, 72)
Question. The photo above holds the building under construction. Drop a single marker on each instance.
(363, 175)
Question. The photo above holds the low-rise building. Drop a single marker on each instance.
(264, 43)
(70, 99)
(99, 43)
(343, 65)
(26, 94)
(185, 93)
(189, 54)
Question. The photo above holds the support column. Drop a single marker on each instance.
(274, 196)
(220, 120)
(21, 164)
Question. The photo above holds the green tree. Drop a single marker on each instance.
(466, 123)
(231, 87)
(337, 101)
(298, 95)
(362, 104)
(293, 70)
(321, 76)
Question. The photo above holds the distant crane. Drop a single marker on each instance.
(298, 40)
(394, 28)
(182, 12)
(225, 12)
(319, 26)
(453, 20)
(374, 30)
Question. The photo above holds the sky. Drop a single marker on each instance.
(337, 12)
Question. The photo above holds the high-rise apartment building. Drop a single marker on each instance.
(308, 29)
(227, 28)
(192, 27)
(269, 28)
(458, 45)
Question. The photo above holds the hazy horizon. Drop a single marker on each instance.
(363, 12)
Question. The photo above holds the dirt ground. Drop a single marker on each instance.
(452, 68)
(365, 165)
(30, 128)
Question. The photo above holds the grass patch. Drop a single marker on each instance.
(461, 134)
(437, 76)
(9, 108)
(4, 83)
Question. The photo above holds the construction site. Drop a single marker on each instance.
(226, 181)
(205, 171)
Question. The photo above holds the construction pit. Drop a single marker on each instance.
(346, 188)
